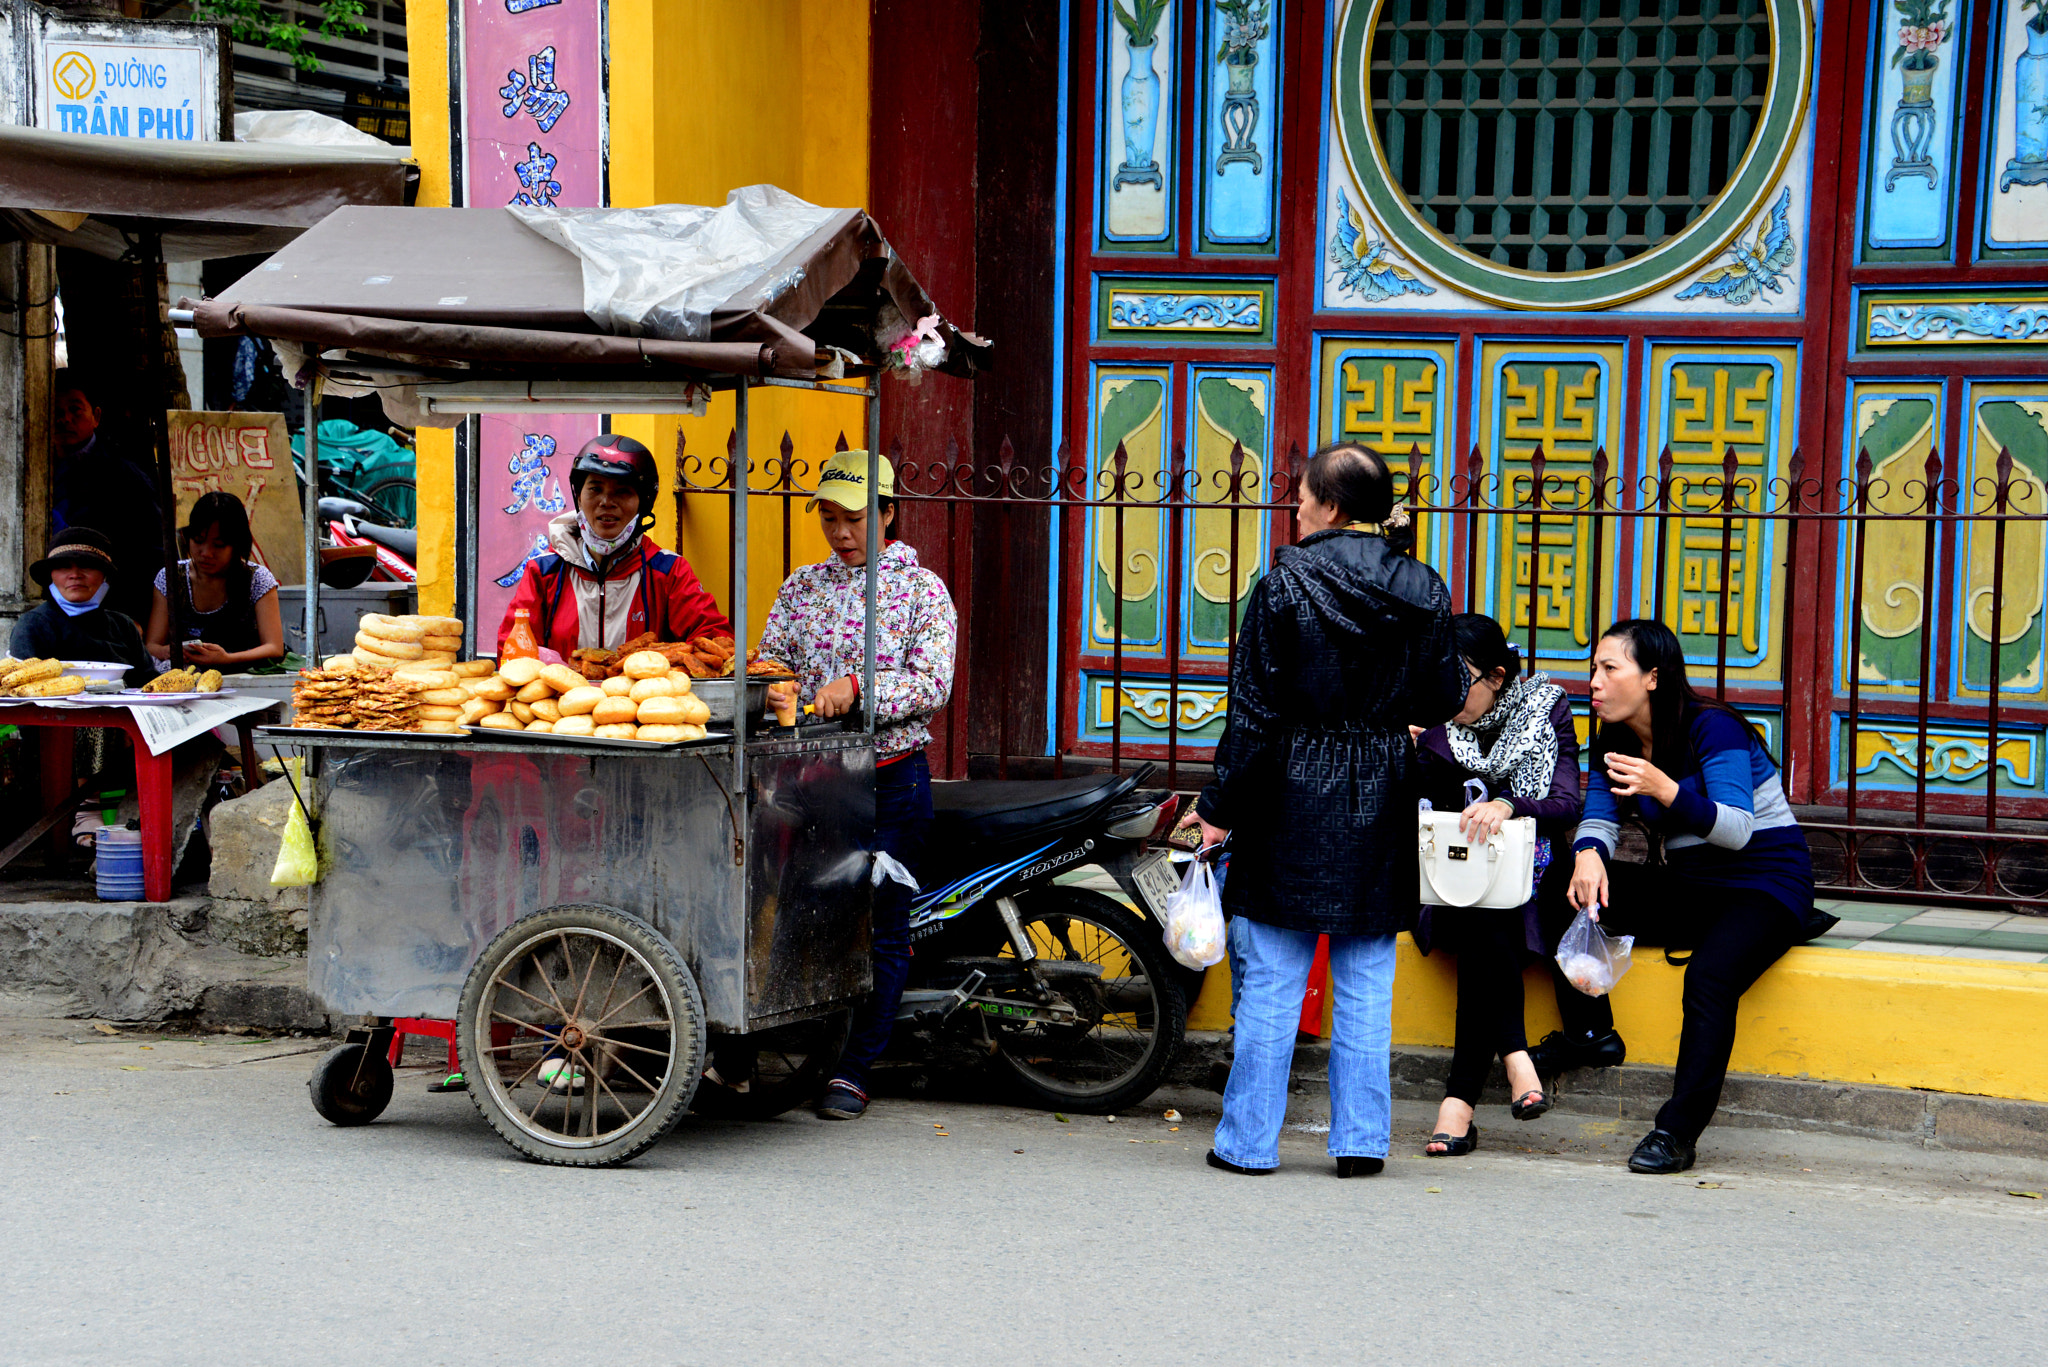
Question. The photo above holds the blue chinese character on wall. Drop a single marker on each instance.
(534, 552)
(536, 178)
(522, 6)
(530, 476)
(536, 91)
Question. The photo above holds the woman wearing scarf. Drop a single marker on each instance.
(603, 582)
(1514, 735)
(74, 623)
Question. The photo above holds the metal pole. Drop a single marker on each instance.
(159, 426)
(872, 405)
(312, 520)
(738, 460)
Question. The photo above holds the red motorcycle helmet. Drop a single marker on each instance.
(617, 458)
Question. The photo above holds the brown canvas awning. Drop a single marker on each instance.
(207, 198)
(478, 290)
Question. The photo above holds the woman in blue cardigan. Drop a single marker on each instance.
(1736, 887)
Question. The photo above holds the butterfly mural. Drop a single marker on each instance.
(1371, 273)
(1758, 262)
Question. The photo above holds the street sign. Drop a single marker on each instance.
(114, 78)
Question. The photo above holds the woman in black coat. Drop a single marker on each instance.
(1345, 644)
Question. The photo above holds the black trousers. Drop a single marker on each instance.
(1492, 946)
(1733, 936)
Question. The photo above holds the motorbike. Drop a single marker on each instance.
(1066, 991)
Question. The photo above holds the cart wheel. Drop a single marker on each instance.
(351, 1084)
(791, 1063)
(582, 1035)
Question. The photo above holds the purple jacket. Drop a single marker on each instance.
(1442, 781)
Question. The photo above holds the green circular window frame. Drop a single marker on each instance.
(1698, 244)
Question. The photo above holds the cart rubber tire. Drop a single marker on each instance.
(351, 1084)
(661, 963)
(1141, 937)
(765, 1101)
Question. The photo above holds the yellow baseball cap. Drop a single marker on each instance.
(844, 481)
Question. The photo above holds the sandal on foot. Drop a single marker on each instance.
(1524, 1109)
(1455, 1145)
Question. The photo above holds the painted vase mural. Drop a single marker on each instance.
(1141, 120)
(1923, 28)
(2029, 165)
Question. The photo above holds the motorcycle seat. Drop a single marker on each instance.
(1000, 811)
(404, 540)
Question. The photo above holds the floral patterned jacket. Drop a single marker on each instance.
(819, 623)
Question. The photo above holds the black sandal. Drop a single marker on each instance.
(1455, 1145)
(1524, 1109)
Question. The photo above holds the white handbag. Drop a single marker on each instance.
(1457, 873)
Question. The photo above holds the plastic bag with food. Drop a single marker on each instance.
(298, 864)
(1593, 961)
(1194, 918)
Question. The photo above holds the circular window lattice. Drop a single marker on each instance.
(1559, 135)
(1569, 153)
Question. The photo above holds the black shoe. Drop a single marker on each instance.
(1560, 1053)
(1226, 1165)
(1661, 1152)
(1455, 1145)
(1361, 1167)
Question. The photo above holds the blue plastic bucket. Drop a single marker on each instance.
(117, 869)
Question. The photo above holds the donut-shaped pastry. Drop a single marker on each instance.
(433, 626)
(397, 650)
(389, 628)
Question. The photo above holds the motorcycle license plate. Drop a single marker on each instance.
(1158, 878)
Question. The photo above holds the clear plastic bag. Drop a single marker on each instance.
(1593, 961)
(1194, 918)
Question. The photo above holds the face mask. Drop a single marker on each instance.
(71, 609)
(601, 547)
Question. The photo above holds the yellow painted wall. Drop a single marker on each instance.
(706, 95)
(1836, 1015)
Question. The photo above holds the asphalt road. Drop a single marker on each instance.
(179, 1202)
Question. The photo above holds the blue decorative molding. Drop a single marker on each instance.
(1993, 322)
(1371, 273)
(1759, 263)
(1209, 312)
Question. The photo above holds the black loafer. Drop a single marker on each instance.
(1361, 1167)
(1560, 1053)
(1661, 1152)
(1227, 1166)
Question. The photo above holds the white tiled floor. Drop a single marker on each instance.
(1857, 930)
(1962, 919)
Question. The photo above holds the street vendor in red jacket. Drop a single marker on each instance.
(604, 582)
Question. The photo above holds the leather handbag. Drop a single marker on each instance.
(1457, 873)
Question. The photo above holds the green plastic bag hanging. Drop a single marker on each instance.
(298, 864)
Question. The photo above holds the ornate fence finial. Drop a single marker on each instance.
(2004, 476)
(1236, 471)
(1119, 460)
(1062, 475)
(1933, 472)
(1537, 461)
(1599, 471)
(1418, 472)
(1728, 469)
(1664, 465)
(1795, 472)
(788, 449)
(1475, 474)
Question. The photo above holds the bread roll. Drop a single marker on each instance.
(614, 711)
(521, 711)
(561, 678)
(643, 689)
(547, 709)
(618, 686)
(440, 659)
(430, 712)
(444, 697)
(442, 727)
(340, 664)
(645, 664)
(388, 628)
(502, 721)
(696, 712)
(662, 733)
(494, 689)
(695, 733)
(474, 669)
(535, 691)
(448, 643)
(578, 702)
(475, 710)
(519, 673)
(663, 711)
(538, 725)
(579, 725)
(681, 679)
(617, 731)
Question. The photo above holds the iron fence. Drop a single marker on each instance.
(1940, 828)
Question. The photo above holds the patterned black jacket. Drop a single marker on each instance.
(1345, 644)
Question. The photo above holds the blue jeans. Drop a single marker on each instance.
(1268, 1009)
(903, 817)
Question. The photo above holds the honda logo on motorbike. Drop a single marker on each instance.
(1055, 862)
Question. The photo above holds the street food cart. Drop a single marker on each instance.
(586, 911)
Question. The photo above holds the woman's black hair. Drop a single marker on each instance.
(223, 513)
(1353, 480)
(1673, 702)
(1483, 645)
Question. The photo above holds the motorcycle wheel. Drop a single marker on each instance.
(1134, 1016)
